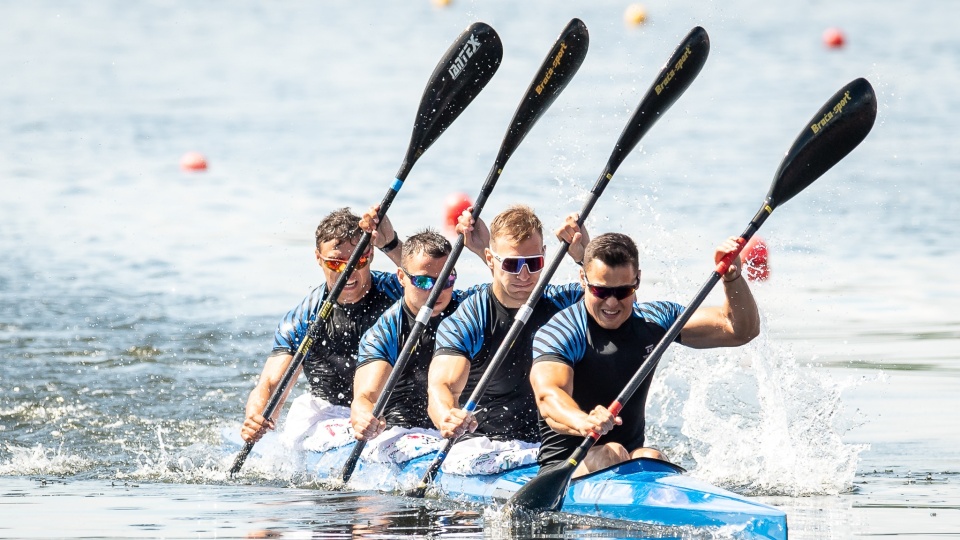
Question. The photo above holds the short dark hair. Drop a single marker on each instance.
(428, 242)
(340, 225)
(613, 249)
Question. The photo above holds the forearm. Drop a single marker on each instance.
(562, 413)
(440, 400)
(273, 371)
(741, 310)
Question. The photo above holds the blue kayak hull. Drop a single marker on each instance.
(643, 490)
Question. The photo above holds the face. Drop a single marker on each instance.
(422, 264)
(609, 312)
(360, 280)
(513, 290)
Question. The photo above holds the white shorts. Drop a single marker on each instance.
(400, 445)
(481, 455)
(316, 425)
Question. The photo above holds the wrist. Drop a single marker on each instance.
(391, 245)
(739, 275)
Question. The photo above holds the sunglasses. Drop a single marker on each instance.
(339, 265)
(619, 293)
(426, 283)
(513, 265)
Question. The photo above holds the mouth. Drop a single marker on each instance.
(610, 313)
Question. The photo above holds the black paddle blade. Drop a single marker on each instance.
(466, 67)
(545, 491)
(836, 129)
(674, 79)
(558, 68)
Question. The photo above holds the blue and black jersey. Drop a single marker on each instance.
(330, 364)
(603, 361)
(383, 342)
(475, 331)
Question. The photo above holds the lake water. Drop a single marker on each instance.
(138, 301)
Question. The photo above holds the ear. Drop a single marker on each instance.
(488, 256)
(402, 277)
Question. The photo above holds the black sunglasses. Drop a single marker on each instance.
(426, 283)
(619, 293)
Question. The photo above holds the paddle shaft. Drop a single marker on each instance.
(672, 81)
(463, 71)
(290, 374)
(558, 68)
(650, 363)
(519, 321)
(840, 125)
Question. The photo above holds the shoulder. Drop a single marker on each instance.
(564, 336)
(564, 295)
(387, 283)
(660, 312)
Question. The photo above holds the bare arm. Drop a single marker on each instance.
(255, 425)
(446, 381)
(553, 389)
(368, 382)
(735, 322)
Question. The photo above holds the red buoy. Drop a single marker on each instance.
(755, 259)
(833, 38)
(193, 161)
(455, 204)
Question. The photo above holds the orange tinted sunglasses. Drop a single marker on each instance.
(339, 265)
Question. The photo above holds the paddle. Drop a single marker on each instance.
(670, 84)
(559, 67)
(461, 74)
(842, 123)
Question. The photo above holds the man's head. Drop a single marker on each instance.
(336, 238)
(424, 255)
(515, 254)
(610, 276)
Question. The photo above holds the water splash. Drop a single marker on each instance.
(754, 420)
(42, 461)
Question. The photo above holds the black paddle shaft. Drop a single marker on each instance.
(557, 70)
(672, 81)
(458, 78)
(840, 125)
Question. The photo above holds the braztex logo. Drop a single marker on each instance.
(460, 63)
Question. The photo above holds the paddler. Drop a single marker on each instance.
(330, 365)
(410, 430)
(585, 354)
(502, 434)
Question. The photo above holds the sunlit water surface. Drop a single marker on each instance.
(137, 302)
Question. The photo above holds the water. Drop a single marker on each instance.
(137, 301)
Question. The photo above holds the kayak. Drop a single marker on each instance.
(642, 490)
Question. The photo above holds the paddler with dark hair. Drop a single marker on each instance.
(585, 354)
(330, 364)
(423, 256)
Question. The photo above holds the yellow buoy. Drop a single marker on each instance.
(442, 3)
(635, 14)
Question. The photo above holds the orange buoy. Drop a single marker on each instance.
(635, 15)
(755, 256)
(441, 3)
(455, 204)
(833, 38)
(193, 161)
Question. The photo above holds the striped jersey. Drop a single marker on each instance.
(475, 331)
(384, 341)
(603, 362)
(331, 361)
